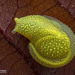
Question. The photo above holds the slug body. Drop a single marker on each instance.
(52, 43)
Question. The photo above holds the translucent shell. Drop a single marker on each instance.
(52, 43)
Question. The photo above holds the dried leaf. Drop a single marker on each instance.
(69, 5)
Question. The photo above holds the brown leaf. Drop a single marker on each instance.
(14, 55)
(69, 5)
(12, 61)
(7, 11)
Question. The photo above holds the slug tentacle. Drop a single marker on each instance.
(52, 43)
(13, 32)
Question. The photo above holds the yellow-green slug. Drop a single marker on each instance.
(52, 43)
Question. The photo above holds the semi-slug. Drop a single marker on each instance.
(52, 43)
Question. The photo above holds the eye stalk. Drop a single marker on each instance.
(16, 19)
(13, 31)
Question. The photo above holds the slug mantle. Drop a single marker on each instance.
(52, 43)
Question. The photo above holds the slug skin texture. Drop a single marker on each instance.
(52, 43)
